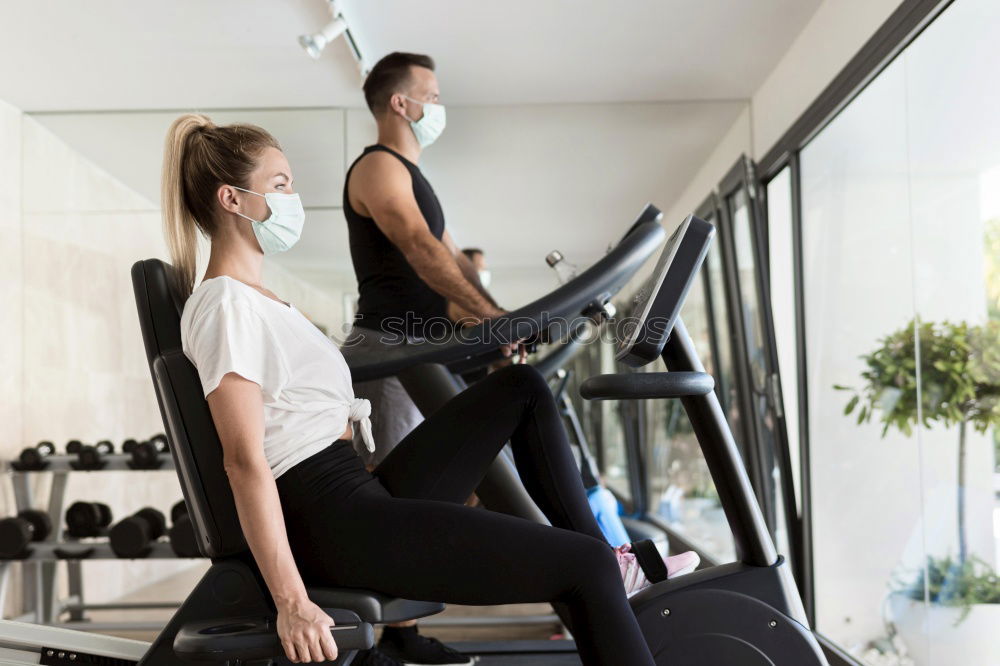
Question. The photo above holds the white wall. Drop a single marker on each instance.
(71, 328)
(521, 181)
(735, 142)
(11, 361)
(834, 34)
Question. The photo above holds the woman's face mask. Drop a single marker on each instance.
(282, 229)
(431, 124)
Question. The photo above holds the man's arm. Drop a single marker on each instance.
(382, 185)
(468, 270)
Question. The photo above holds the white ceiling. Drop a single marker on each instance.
(185, 54)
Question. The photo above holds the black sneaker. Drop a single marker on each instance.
(374, 657)
(406, 645)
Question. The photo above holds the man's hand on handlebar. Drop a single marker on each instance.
(518, 347)
(464, 319)
(304, 630)
(512, 348)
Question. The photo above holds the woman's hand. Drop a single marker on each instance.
(304, 630)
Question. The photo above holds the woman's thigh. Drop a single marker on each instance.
(446, 456)
(439, 551)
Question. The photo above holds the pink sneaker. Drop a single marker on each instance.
(632, 575)
(681, 564)
(635, 579)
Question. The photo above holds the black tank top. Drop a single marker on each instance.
(392, 297)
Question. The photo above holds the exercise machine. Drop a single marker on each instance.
(746, 613)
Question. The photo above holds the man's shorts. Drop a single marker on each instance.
(393, 413)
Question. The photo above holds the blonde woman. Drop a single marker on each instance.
(281, 399)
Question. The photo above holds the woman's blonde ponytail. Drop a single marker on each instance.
(198, 158)
(179, 226)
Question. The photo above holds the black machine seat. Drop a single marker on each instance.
(197, 451)
(372, 606)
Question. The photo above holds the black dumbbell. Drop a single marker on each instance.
(33, 458)
(16, 533)
(145, 455)
(87, 519)
(134, 536)
(182, 539)
(178, 510)
(160, 440)
(88, 457)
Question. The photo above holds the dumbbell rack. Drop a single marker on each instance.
(40, 568)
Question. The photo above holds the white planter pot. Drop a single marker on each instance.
(932, 638)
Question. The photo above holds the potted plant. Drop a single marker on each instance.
(959, 385)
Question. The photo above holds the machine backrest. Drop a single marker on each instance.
(194, 442)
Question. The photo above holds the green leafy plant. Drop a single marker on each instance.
(958, 384)
(949, 582)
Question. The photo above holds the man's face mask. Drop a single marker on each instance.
(484, 277)
(431, 125)
(282, 229)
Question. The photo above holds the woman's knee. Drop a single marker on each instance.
(523, 377)
(595, 570)
(594, 557)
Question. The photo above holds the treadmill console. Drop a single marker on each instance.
(658, 303)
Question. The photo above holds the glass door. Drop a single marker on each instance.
(721, 332)
(744, 241)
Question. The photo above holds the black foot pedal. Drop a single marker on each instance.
(650, 560)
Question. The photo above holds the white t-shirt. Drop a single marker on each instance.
(228, 326)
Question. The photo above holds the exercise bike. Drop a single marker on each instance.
(746, 613)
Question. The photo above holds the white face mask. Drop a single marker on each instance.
(430, 126)
(484, 277)
(282, 229)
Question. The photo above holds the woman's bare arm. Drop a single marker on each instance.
(237, 407)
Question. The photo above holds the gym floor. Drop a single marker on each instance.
(533, 639)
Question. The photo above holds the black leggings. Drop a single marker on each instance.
(404, 530)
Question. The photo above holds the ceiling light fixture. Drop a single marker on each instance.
(316, 42)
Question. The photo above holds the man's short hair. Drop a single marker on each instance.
(471, 252)
(389, 75)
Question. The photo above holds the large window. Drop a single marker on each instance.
(899, 223)
(781, 271)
